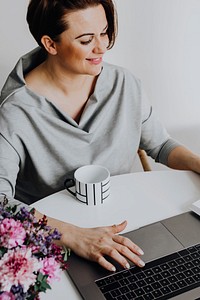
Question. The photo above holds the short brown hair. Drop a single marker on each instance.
(46, 17)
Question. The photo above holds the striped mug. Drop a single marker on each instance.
(92, 184)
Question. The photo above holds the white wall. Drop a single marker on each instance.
(15, 39)
(158, 40)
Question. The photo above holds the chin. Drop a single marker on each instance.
(95, 71)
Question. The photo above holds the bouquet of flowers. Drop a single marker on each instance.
(29, 259)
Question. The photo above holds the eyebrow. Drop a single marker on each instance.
(85, 34)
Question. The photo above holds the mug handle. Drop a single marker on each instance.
(69, 182)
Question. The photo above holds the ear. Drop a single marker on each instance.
(49, 45)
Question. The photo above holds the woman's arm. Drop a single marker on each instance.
(90, 243)
(96, 243)
(183, 159)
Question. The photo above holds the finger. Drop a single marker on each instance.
(104, 263)
(115, 255)
(131, 256)
(119, 227)
(128, 243)
(120, 253)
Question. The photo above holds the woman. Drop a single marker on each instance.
(63, 107)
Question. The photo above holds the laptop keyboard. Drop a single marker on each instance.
(160, 279)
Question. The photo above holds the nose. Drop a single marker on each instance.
(101, 45)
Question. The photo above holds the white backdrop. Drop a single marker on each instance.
(158, 40)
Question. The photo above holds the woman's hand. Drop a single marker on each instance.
(96, 243)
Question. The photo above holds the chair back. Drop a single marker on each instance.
(144, 160)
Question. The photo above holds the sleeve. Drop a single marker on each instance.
(9, 168)
(155, 139)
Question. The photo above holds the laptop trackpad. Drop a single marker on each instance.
(186, 228)
(155, 240)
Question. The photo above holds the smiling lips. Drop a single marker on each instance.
(95, 61)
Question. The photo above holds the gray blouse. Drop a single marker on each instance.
(40, 145)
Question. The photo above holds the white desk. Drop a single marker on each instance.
(139, 198)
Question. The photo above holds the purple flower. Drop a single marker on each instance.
(18, 292)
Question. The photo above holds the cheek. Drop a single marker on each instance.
(106, 41)
(79, 53)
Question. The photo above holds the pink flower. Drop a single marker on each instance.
(12, 233)
(17, 267)
(7, 296)
(51, 268)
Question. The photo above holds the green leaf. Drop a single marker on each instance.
(14, 208)
(36, 287)
(32, 211)
(66, 252)
(40, 277)
(45, 285)
(2, 251)
(41, 283)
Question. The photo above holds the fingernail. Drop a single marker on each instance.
(140, 251)
(141, 263)
(127, 266)
(113, 269)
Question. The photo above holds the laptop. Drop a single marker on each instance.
(170, 246)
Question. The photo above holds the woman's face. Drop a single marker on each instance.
(82, 46)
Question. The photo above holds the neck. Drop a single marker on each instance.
(64, 80)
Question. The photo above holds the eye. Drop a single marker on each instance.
(104, 33)
(86, 42)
